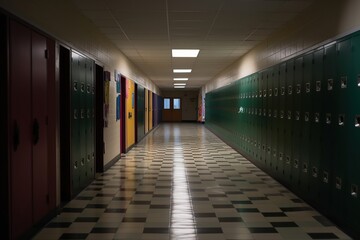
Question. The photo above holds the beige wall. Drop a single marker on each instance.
(319, 24)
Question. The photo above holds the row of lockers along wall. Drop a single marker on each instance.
(300, 121)
(83, 121)
(148, 111)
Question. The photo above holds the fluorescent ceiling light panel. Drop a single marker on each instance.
(181, 79)
(185, 52)
(182, 70)
(179, 84)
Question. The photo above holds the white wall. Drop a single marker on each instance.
(321, 23)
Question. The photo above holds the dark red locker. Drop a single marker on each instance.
(39, 126)
(21, 135)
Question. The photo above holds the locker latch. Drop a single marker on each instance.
(330, 84)
(354, 190)
(328, 118)
(343, 82)
(341, 120)
(314, 172)
(326, 177)
(338, 183)
(357, 121)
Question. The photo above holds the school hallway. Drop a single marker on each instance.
(183, 182)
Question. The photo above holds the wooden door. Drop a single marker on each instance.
(39, 126)
(150, 110)
(130, 113)
(21, 134)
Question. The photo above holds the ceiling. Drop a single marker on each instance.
(146, 31)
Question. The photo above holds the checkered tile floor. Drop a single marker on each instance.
(182, 182)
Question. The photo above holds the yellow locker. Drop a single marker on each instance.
(130, 113)
(150, 110)
(146, 110)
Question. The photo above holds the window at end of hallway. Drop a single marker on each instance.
(176, 103)
(166, 103)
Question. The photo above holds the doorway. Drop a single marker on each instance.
(172, 110)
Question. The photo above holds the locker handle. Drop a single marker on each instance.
(36, 130)
(16, 139)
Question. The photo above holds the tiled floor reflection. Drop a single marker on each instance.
(182, 182)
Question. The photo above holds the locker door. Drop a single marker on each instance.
(146, 110)
(353, 163)
(298, 165)
(269, 119)
(289, 115)
(343, 130)
(21, 133)
(319, 187)
(328, 134)
(83, 120)
(275, 119)
(90, 123)
(39, 126)
(75, 122)
(304, 146)
(281, 120)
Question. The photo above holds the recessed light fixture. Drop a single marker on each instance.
(182, 70)
(179, 84)
(181, 79)
(185, 52)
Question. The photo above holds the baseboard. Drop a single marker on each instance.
(112, 162)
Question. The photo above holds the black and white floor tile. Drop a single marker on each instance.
(182, 182)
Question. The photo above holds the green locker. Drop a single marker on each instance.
(329, 150)
(83, 121)
(263, 107)
(319, 176)
(269, 120)
(289, 113)
(344, 127)
(353, 161)
(90, 116)
(298, 165)
(257, 123)
(82, 124)
(300, 121)
(304, 145)
(75, 122)
(281, 120)
(275, 120)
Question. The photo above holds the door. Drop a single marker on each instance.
(99, 82)
(130, 113)
(150, 110)
(39, 126)
(146, 111)
(32, 178)
(172, 111)
(21, 135)
(140, 112)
